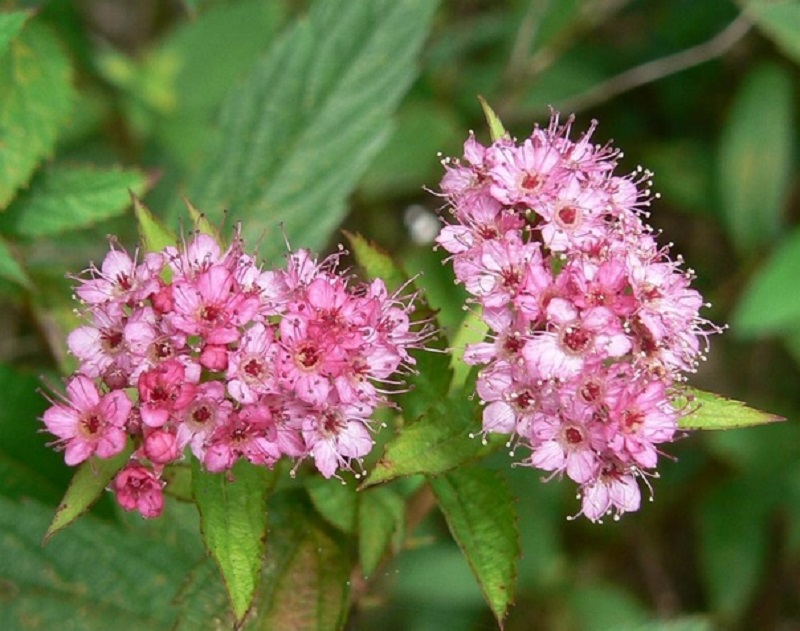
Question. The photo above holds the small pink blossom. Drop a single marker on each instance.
(139, 488)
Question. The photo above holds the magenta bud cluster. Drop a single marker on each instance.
(591, 323)
(197, 350)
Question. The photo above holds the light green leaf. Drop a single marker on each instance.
(233, 520)
(306, 571)
(10, 25)
(481, 513)
(37, 94)
(85, 488)
(437, 442)
(376, 262)
(779, 20)
(755, 157)
(712, 411)
(154, 234)
(296, 136)
(472, 330)
(381, 521)
(335, 501)
(10, 268)
(769, 305)
(62, 198)
(92, 577)
(200, 221)
(496, 129)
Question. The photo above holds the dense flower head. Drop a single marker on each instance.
(198, 351)
(592, 326)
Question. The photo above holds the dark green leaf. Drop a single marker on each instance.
(203, 602)
(381, 521)
(10, 25)
(37, 94)
(481, 513)
(779, 20)
(233, 520)
(605, 607)
(63, 198)
(88, 483)
(335, 501)
(755, 159)
(299, 132)
(437, 442)
(93, 577)
(712, 411)
(10, 268)
(767, 305)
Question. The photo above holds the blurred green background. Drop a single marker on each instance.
(199, 98)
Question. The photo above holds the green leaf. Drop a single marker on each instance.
(203, 602)
(85, 488)
(296, 136)
(381, 523)
(10, 268)
(755, 157)
(200, 221)
(154, 234)
(306, 572)
(496, 129)
(335, 501)
(712, 411)
(481, 513)
(233, 520)
(10, 25)
(63, 198)
(769, 305)
(92, 577)
(780, 21)
(376, 262)
(472, 330)
(606, 607)
(36, 92)
(437, 442)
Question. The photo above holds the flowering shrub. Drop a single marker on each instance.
(228, 360)
(592, 324)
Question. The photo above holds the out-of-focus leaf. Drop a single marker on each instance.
(381, 515)
(297, 135)
(203, 603)
(684, 174)
(606, 608)
(335, 501)
(437, 442)
(88, 483)
(92, 577)
(62, 198)
(233, 520)
(712, 411)
(154, 235)
(734, 513)
(10, 269)
(482, 516)
(37, 94)
(769, 304)
(755, 157)
(306, 572)
(779, 20)
(10, 25)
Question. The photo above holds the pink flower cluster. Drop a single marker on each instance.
(198, 349)
(591, 323)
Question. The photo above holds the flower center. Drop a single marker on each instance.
(576, 339)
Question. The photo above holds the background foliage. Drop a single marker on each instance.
(318, 114)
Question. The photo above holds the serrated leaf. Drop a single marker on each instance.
(62, 198)
(10, 25)
(306, 572)
(297, 135)
(755, 157)
(481, 514)
(496, 129)
(712, 411)
(155, 236)
(233, 521)
(336, 502)
(381, 515)
(768, 305)
(88, 483)
(36, 92)
(92, 577)
(10, 268)
(437, 442)
(780, 21)
(376, 262)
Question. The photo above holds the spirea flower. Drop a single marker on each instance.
(592, 324)
(197, 351)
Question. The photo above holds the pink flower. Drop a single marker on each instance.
(120, 280)
(163, 391)
(335, 436)
(88, 423)
(139, 488)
